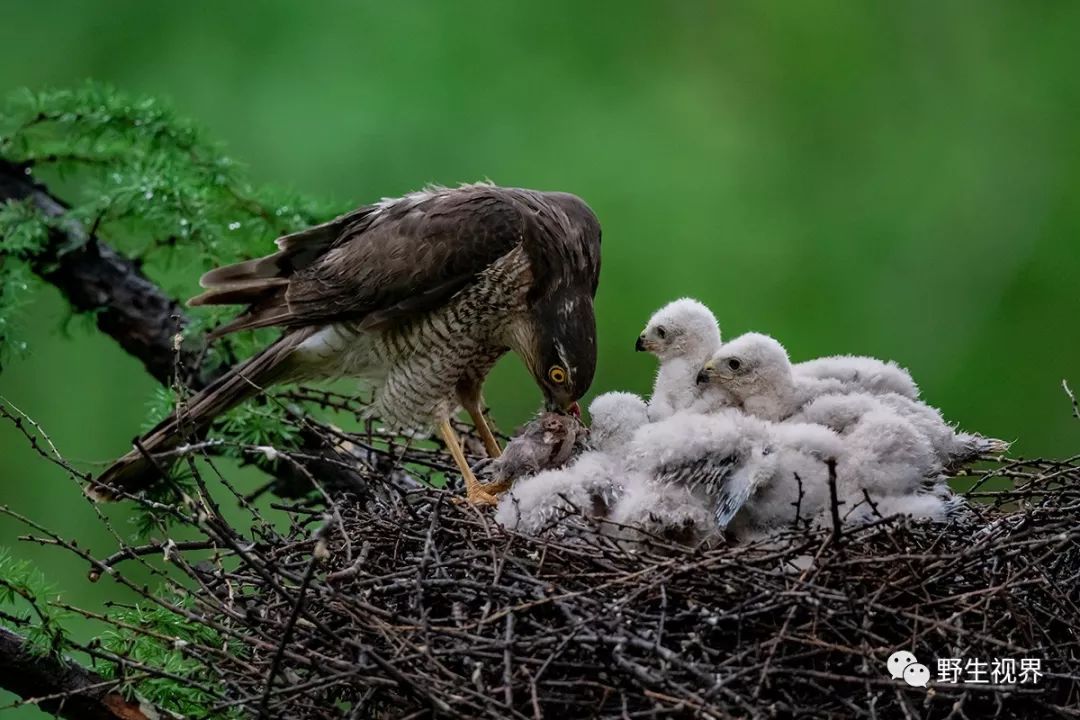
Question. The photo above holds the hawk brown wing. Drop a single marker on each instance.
(381, 262)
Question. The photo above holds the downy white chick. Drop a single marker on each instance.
(900, 476)
(753, 477)
(590, 485)
(883, 453)
(683, 335)
(797, 492)
(887, 457)
(920, 506)
(881, 470)
(755, 370)
(871, 375)
(890, 465)
(747, 476)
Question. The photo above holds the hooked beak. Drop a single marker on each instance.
(644, 345)
(705, 374)
(568, 409)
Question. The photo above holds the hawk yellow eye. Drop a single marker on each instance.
(557, 375)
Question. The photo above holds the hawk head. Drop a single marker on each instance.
(564, 354)
(563, 247)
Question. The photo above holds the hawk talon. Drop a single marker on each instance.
(479, 497)
(495, 489)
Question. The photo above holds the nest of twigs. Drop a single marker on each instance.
(407, 604)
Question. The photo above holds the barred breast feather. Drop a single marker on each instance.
(415, 368)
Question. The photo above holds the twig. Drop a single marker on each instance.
(1072, 399)
(834, 501)
(286, 636)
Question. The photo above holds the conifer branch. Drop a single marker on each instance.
(94, 277)
(144, 320)
(64, 688)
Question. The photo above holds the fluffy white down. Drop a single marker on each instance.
(797, 487)
(785, 466)
(653, 504)
(686, 437)
(781, 471)
(690, 336)
(865, 373)
(920, 506)
(841, 411)
(950, 445)
(688, 327)
(615, 417)
(886, 457)
(882, 469)
(647, 510)
(863, 413)
(889, 459)
(545, 501)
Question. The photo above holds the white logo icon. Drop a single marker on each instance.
(916, 675)
(900, 660)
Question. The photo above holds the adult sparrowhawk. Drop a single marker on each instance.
(419, 296)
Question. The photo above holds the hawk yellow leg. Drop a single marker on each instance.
(474, 492)
(480, 422)
(491, 444)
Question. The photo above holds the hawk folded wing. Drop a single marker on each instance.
(379, 263)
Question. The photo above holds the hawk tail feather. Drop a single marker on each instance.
(134, 471)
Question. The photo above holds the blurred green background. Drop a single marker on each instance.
(899, 180)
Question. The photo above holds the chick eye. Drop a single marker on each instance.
(661, 332)
(557, 375)
(734, 363)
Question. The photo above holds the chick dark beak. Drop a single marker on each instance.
(639, 346)
(702, 377)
